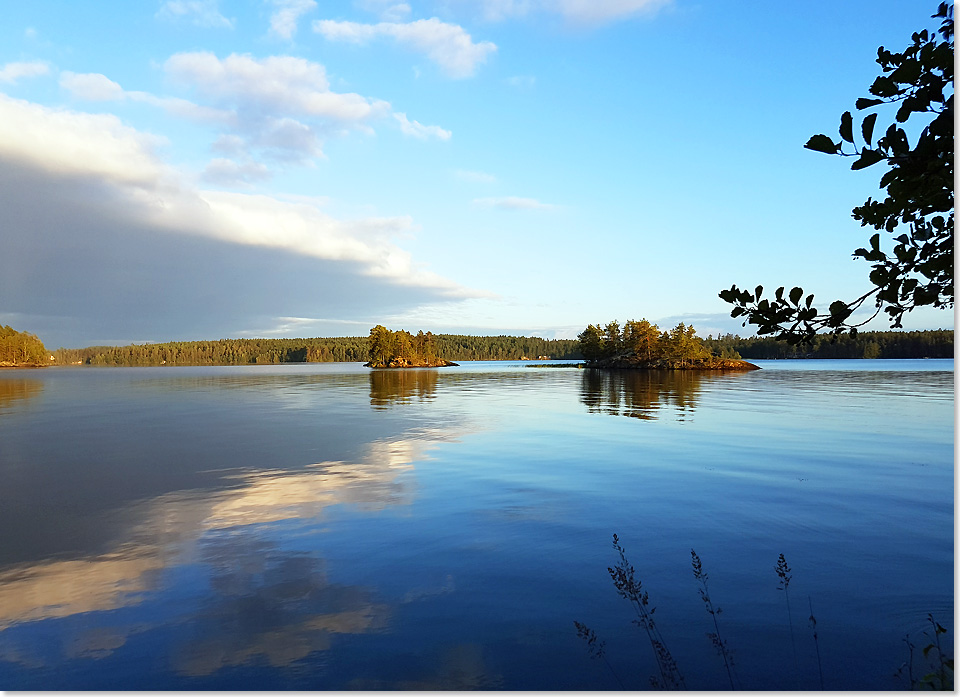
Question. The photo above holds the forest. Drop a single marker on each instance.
(21, 349)
(936, 343)
(451, 347)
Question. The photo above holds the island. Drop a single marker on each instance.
(640, 345)
(21, 349)
(400, 349)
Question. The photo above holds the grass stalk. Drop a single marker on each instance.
(783, 571)
(718, 642)
(813, 625)
(627, 585)
(596, 649)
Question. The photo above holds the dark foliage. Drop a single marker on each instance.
(919, 344)
(316, 350)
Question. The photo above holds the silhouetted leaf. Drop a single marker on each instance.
(846, 127)
(867, 127)
(867, 157)
(822, 143)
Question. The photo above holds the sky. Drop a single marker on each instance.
(205, 169)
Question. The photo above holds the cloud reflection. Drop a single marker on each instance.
(272, 606)
(176, 524)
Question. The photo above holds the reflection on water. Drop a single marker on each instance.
(454, 524)
(642, 394)
(271, 605)
(392, 387)
(17, 390)
(267, 602)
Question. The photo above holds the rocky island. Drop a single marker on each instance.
(642, 346)
(400, 349)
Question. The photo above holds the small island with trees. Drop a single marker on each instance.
(21, 349)
(399, 349)
(640, 345)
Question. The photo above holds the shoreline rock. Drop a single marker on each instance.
(712, 363)
(407, 363)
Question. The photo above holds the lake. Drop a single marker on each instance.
(328, 527)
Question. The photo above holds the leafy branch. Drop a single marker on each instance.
(919, 201)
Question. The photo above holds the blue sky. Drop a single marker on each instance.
(201, 169)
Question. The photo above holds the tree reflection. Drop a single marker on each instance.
(13, 392)
(391, 387)
(641, 394)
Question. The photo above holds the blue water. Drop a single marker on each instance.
(324, 526)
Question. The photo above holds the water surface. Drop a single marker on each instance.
(323, 526)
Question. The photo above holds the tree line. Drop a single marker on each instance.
(936, 343)
(451, 347)
(21, 348)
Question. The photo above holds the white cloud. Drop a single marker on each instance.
(281, 104)
(513, 203)
(496, 10)
(283, 22)
(386, 10)
(99, 88)
(476, 177)
(91, 86)
(602, 11)
(418, 130)
(277, 107)
(68, 143)
(575, 11)
(99, 148)
(447, 45)
(203, 13)
(12, 72)
(275, 85)
(227, 172)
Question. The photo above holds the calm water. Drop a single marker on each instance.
(327, 527)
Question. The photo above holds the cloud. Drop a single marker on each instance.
(276, 107)
(283, 22)
(102, 238)
(476, 177)
(12, 72)
(513, 203)
(202, 13)
(91, 86)
(386, 10)
(230, 173)
(277, 84)
(574, 11)
(602, 11)
(418, 130)
(99, 88)
(447, 45)
(280, 104)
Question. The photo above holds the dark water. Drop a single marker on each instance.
(319, 527)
